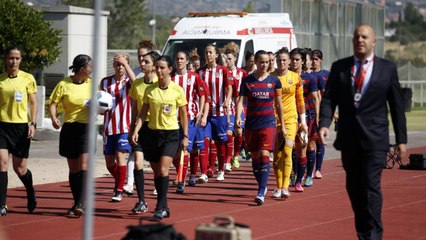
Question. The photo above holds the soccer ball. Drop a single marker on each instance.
(105, 102)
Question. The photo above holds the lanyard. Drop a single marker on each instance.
(359, 77)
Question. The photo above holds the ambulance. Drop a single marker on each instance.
(250, 31)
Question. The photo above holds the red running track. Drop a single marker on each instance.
(321, 212)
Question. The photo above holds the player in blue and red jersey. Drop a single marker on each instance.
(261, 90)
(219, 82)
(322, 77)
(301, 60)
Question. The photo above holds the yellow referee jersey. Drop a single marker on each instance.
(14, 97)
(74, 98)
(163, 105)
(137, 91)
(292, 94)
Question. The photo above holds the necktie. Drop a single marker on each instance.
(358, 74)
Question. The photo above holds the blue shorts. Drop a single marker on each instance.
(117, 142)
(216, 128)
(195, 136)
(231, 126)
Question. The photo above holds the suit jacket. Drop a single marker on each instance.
(365, 127)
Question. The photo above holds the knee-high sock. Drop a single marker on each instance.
(238, 141)
(185, 166)
(204, 156)
(121, 177)
(264, 174)
(73, 181)
(3, 188)
(176, 163)
(162, 185)
(287, 166)
(320, 156)
(311, 162)
(294, 161)
(229, 148)
(27, 180)
(255, 165)
(113, 170)
(194, 159)
(221, 154)
(301, 169)
(140, 184)
(81, 182)
(130, 170)
(278, 168)
(213, 155)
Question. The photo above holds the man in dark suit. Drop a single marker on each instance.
(361, 86)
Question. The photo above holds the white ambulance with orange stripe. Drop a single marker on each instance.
(251, 31)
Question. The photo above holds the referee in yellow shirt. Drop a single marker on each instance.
(164, 100)
(17, 125)
(293, 103)
(74, 93)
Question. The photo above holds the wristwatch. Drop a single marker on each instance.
(33, 124)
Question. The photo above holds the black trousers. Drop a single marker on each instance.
(363, 173)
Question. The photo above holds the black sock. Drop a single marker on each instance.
(163, 193)
(3, 188)
(73, 179)
(82, 181)
(157, 184)
(27, 180)
(140, 184)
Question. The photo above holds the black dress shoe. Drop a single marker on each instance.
(161, 213)
(78, 210)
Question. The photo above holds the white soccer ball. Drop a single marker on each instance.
(105, 102)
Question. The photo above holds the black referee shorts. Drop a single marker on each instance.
(73, 139)
(142, 132)
(159, 143)
(14, 138)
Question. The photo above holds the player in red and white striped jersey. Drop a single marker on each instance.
(220, 82)
(117, 121)
(195, 93)
(233, 148)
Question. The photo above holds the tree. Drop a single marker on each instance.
(25, 27)
(412, 14)
(128, 24)
(249, 8)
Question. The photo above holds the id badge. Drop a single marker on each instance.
(357, 97)
(167, 108)
(18, 96)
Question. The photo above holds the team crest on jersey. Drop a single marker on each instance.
(167, 108)
(290, 82)
(189, 81)
(230, 78)
(269, 85)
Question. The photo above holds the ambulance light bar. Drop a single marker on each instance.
(206, 14)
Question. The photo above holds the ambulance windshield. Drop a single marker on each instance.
(188, 45)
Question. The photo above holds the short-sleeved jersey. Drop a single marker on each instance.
(137, 90)
(239, 74)
(292, 94)
(310, 85)
(163, 105)
(193, 88)
(73, 98)
(14, 97)
(218, 79)
(118, 119)
(260, 101)
(322, 78)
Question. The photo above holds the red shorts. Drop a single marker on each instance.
(260, 139)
